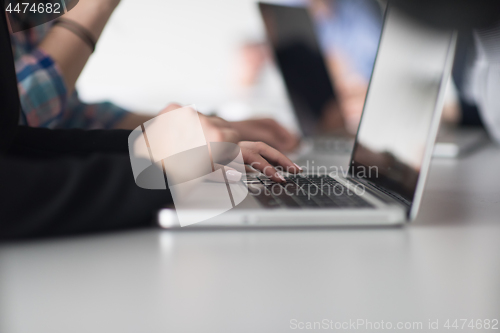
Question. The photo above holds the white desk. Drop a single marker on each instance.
(444, 266)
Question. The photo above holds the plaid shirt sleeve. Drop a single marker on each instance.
(44, 96)
(41, 89)
(91, 116)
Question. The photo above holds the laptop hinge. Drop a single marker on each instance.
(382, 194)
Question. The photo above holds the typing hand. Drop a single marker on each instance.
(215, 129)
(264, 158)
(258, 155)
(268, 131)
(265, 130)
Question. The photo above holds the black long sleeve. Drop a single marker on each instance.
(71, 181)
(59, 182)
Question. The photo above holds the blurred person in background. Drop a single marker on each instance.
(50, 57)
(477, 64)
(349, 32)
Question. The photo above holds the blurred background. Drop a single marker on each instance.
(211, 53)
(158, 51)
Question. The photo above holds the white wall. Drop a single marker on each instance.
(158, 51)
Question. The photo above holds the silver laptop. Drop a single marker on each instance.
(392, 151)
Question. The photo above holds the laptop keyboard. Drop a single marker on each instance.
(332, 145)
(305, 191)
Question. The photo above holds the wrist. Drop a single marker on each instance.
(92, 14)
(235, 125)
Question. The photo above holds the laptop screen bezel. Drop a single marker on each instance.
(412, 205)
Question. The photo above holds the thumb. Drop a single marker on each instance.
(232, 175)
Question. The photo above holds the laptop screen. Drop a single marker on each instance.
(297, 51)
(397, 122)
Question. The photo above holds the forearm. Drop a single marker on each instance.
(68, 50)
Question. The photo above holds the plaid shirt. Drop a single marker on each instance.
(44, 96)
